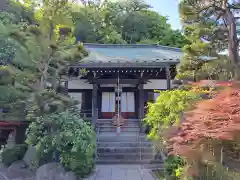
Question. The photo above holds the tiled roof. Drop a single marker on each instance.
(131, 54)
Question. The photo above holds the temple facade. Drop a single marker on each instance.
(119, 80)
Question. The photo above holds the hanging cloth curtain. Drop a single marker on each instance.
(124, 102)
(130, 102)
(112, 102)
(105, 102)
(108, 102)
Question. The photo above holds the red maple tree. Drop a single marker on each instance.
(211, 122)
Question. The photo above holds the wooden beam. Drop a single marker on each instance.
(168, 77)
(94, 105)
(141, 101)
(119, 64)
(114, 81)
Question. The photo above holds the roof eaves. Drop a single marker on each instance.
(120, 45)
(132, 46)
(169, 48)
(93, 64)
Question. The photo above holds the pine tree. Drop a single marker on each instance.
(41, 56)
(201, 59)
(222, 16)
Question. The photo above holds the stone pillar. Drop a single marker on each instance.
(66, 88)
(168, 76)
(94, 105)
(141, 101)
(11, 140)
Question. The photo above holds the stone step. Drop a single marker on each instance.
(125, 150)
(143, 138)
(127, 161)
(123, 144)
(122, 137)
(113, 136)
(127, 120)
(154, 166)
(127, 156)
(123, 134)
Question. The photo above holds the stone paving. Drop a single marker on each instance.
(121, 172)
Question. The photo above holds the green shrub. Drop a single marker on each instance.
(173, 166)
(167, 111)
(68, 135)
(11, 155)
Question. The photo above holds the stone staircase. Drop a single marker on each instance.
(129, 147)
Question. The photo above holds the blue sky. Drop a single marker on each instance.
(167, 8)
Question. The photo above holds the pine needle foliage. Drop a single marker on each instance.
(37, 57)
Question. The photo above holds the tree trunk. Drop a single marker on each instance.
(233, 43)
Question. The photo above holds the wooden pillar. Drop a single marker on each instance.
(141, 101)
(168, 76)
(94, 104)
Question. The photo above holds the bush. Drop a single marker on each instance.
(174, 165)
(166, 111)
(11, 155)
(68, 135)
